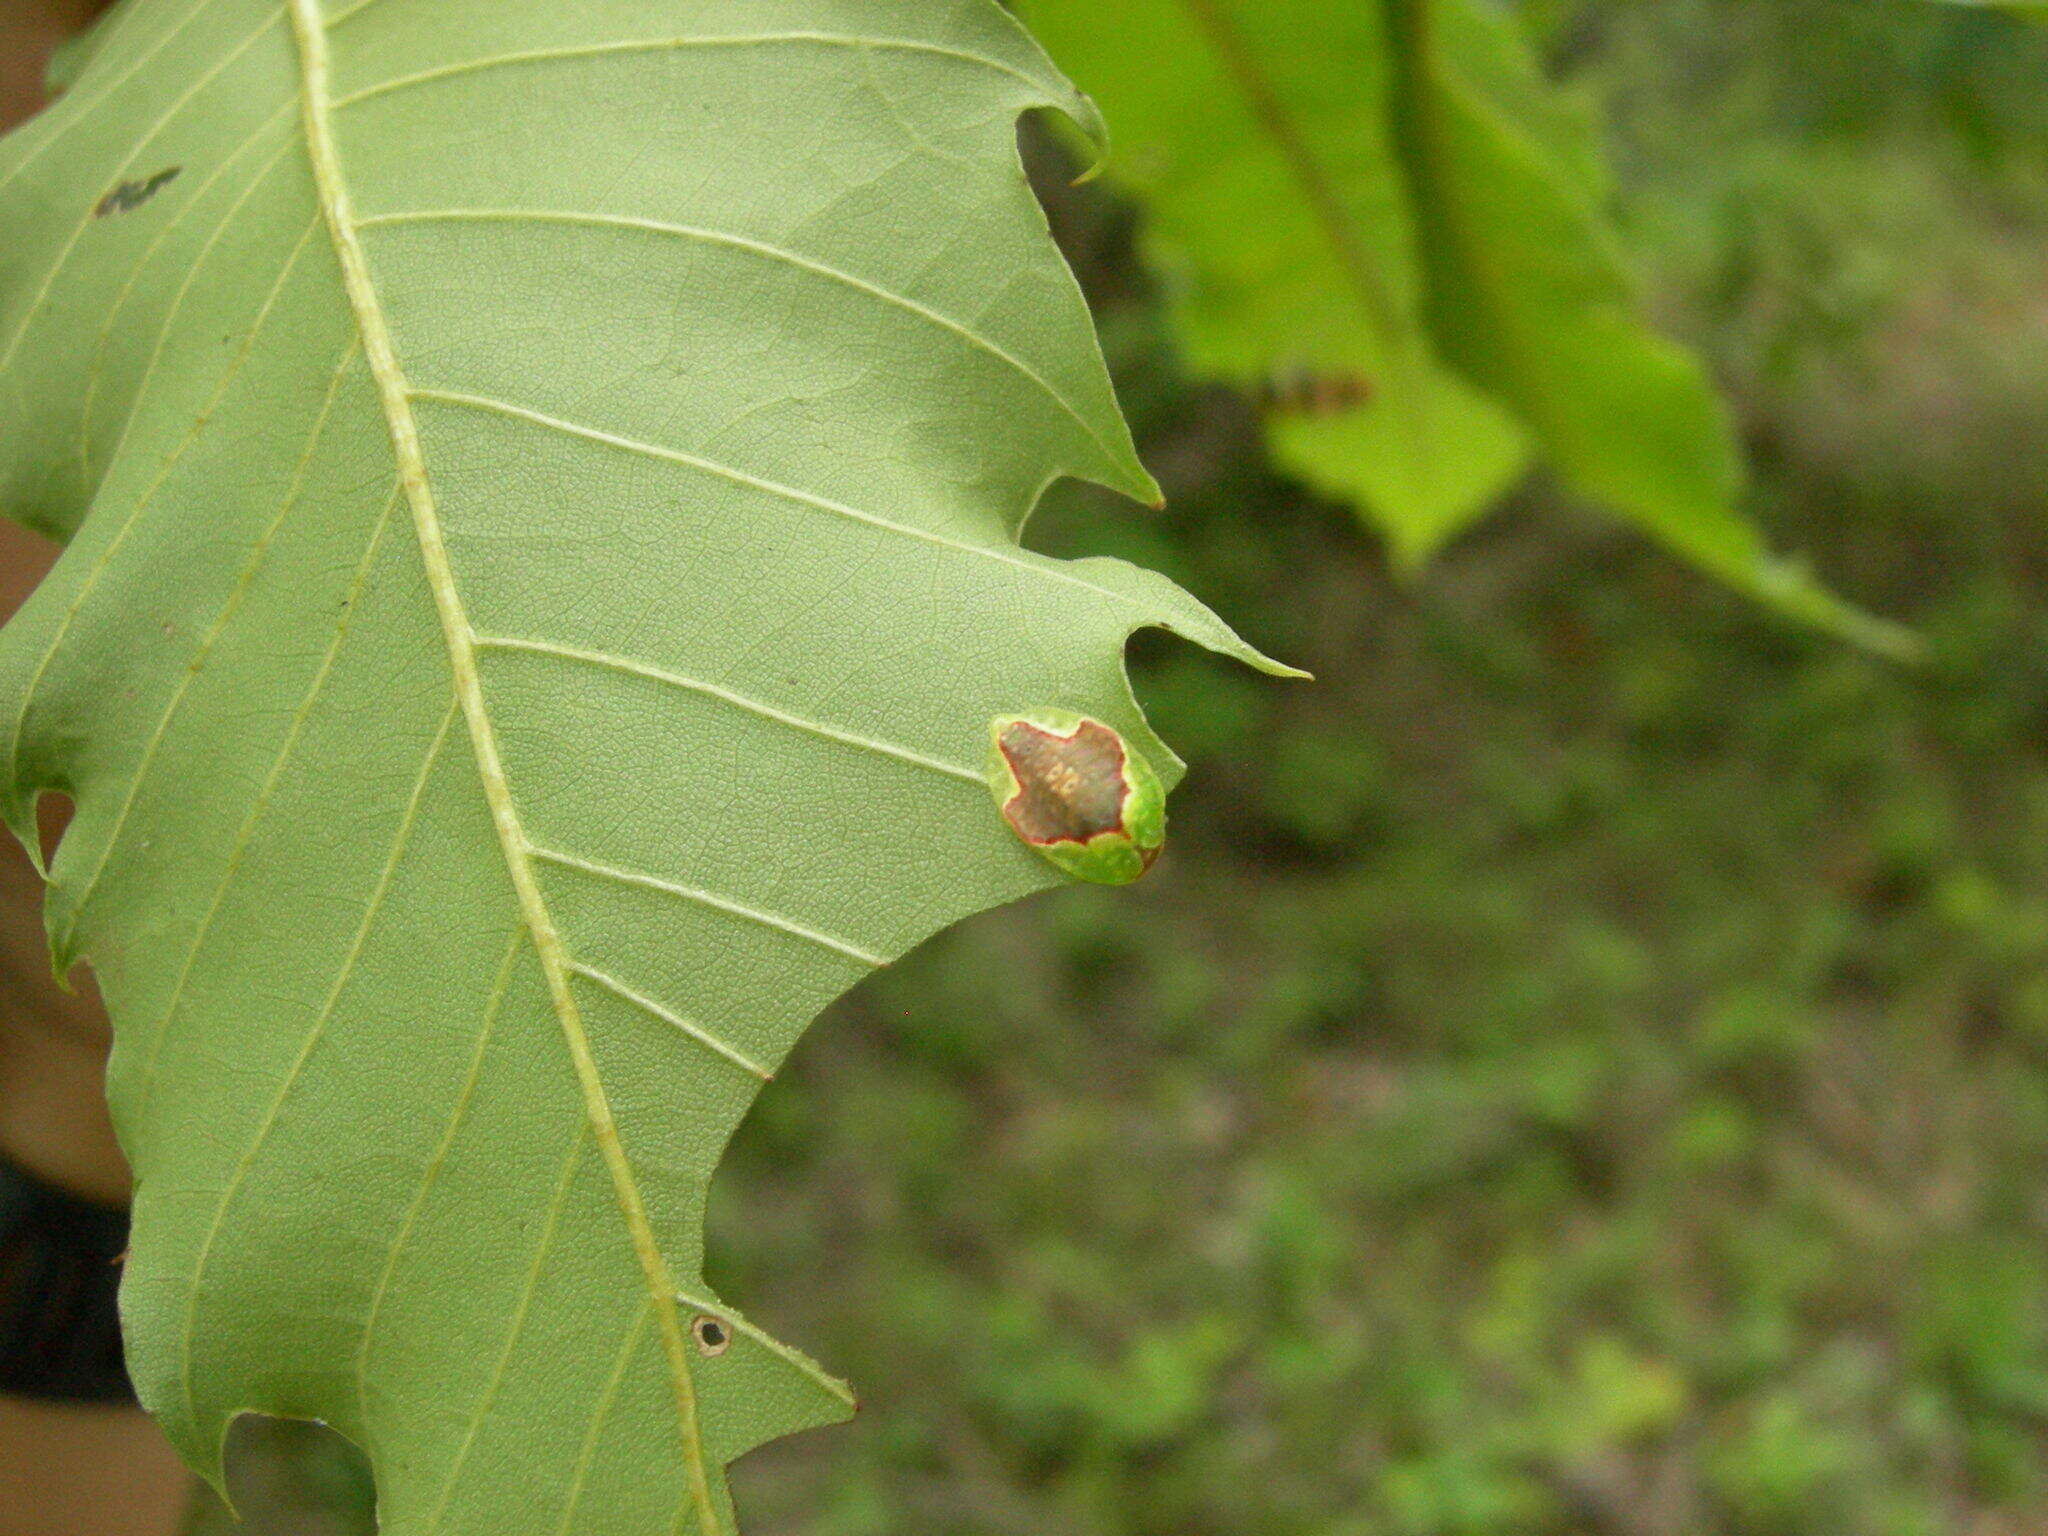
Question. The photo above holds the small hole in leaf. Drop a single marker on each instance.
(712, 1336)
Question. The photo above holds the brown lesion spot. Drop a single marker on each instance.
(1069, 788)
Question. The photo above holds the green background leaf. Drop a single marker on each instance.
(1276, 208)
(542, 486)
(1393, 190)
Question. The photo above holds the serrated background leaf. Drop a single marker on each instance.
(1392, 190)
(542, 486)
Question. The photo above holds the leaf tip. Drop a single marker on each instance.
(1787, 585)
(1095, 128)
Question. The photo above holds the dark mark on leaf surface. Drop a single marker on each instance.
(712, 1336)
(133, 194)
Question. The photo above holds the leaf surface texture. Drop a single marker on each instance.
(542, 487)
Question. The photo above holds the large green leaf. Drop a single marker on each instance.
(1391, 190)
(543, 485)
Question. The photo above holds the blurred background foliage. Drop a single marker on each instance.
(1582, 1065)
(1389, 228)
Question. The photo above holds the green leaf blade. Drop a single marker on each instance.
(543, 487)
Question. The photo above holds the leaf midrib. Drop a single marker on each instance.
(1326, 205)
(1408, 358)
(395, 398)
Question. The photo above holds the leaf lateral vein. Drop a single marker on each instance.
(706, 898)
(671, 45)
(739, 700)
(667, 1015)
(767, 251)
(1046, 568)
